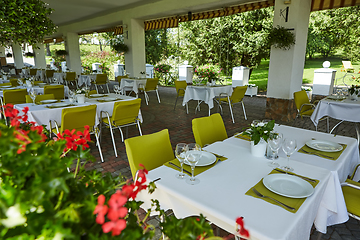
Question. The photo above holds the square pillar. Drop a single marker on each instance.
(73, 60)
(135, 59)
(17, 55)
(286, 66)
(39, 56)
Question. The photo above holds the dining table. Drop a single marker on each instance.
(225, 189)
(340, 108)
(206, 94)
(42, 114)
(132, 84)
(38, 89)
(86, 80)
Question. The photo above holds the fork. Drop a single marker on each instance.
(317, 154)
(262, 196)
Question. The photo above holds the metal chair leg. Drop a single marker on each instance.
(244, 109)
(157, 93)
(113, 140)
(176, 101)
(98, 144)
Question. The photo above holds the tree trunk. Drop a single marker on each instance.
(48, 52)
(100, 46)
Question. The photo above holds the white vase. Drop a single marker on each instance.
(259, 149)
(80, 98)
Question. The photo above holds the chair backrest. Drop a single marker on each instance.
(49, 73)
(92, 92)
(352, 198)
(14, 82)
(33, 71)
(57, 90)
(208, 130)
(347, 64)
(126, 112)
(15, 96)
(40, 98)
(151, 150)
(118, 78)
(78, 117)
(180, 85)
(70, 76)
(238, 94)
(301, 98)
(151, 84)
(101, 79)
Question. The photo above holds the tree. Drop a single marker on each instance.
(156, 45)
(24, 21)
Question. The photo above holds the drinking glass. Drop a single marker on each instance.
(32, 96)
(289, 147)
(117, 89)
(192, 157)
(275, 142)
(180, 153)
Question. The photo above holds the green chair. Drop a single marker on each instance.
(152, 150)
(125, 113)
(57, 90)
(237, 96)
(180, 92)
(49, 74)
(77, 118)
(351, 192)
(101, 79)
(39, 98)
(305, 108)
(208, 130)
(151, 85)
(14, 96)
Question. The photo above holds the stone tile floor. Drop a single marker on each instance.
(160, 116)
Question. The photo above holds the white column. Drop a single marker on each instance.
(39, 56)
(286, 66)
(135, 58)
(17, 55)
(73, 60)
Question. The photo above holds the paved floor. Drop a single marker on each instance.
(160, 116)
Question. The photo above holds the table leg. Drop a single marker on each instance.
(357, 133)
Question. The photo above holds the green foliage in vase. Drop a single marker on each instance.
(24, 21)
(280, 37)
(259, 130)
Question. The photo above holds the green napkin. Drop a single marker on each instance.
(242, 136)
(197, 169)
(327, 155)
(292, 202)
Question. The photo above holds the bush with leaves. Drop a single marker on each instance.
(208, 72)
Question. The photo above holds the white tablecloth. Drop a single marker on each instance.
(59, 76)
(42, 115)
(205, 93)
(86, 79)
(128, 84)
(220, 195)
(39, 90)
(346, 109)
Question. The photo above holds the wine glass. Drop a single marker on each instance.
(289, 147)
(32, 96)
(275, 142)
(193, 155)
(180, 153)
(117, 89)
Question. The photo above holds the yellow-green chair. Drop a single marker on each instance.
(39, 98)
(208, 130)
(33, 72)
(14, 82)
(118, 78)
(305, 108)
(57, 90)
(237, 96)
(49, 74)
(151, 85)
(152, 150)
(101, 79)
(351, 191)
(180, 92)
(125, 113)
(70, 79)
(14, 96)
(77, 118)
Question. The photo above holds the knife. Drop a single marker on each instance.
(185, 171)
(305, 178)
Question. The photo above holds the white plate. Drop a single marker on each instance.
(288, 185)
(41, 84)
(49, 101)
(335, 97)
(205, 160)
(324, 146)
(108, 99)
(58, 105)
(96, 95)
(5, 86)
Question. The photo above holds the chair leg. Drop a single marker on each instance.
(146, 98)
(113, 140)
(107, 85)
(97, 91)
(138, 124)
(242, 103)
(176, 101)
(187, 109)
(121, 133)
(231, 112)
(98, 144)
(157, 94)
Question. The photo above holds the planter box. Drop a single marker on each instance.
(251, 91)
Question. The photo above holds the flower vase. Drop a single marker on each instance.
(259, 149)
(80, 98)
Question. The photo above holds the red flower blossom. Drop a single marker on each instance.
(242, 231)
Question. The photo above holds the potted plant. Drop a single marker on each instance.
(208, 73)
(259, 133)
(280, 37)
(120, 47)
